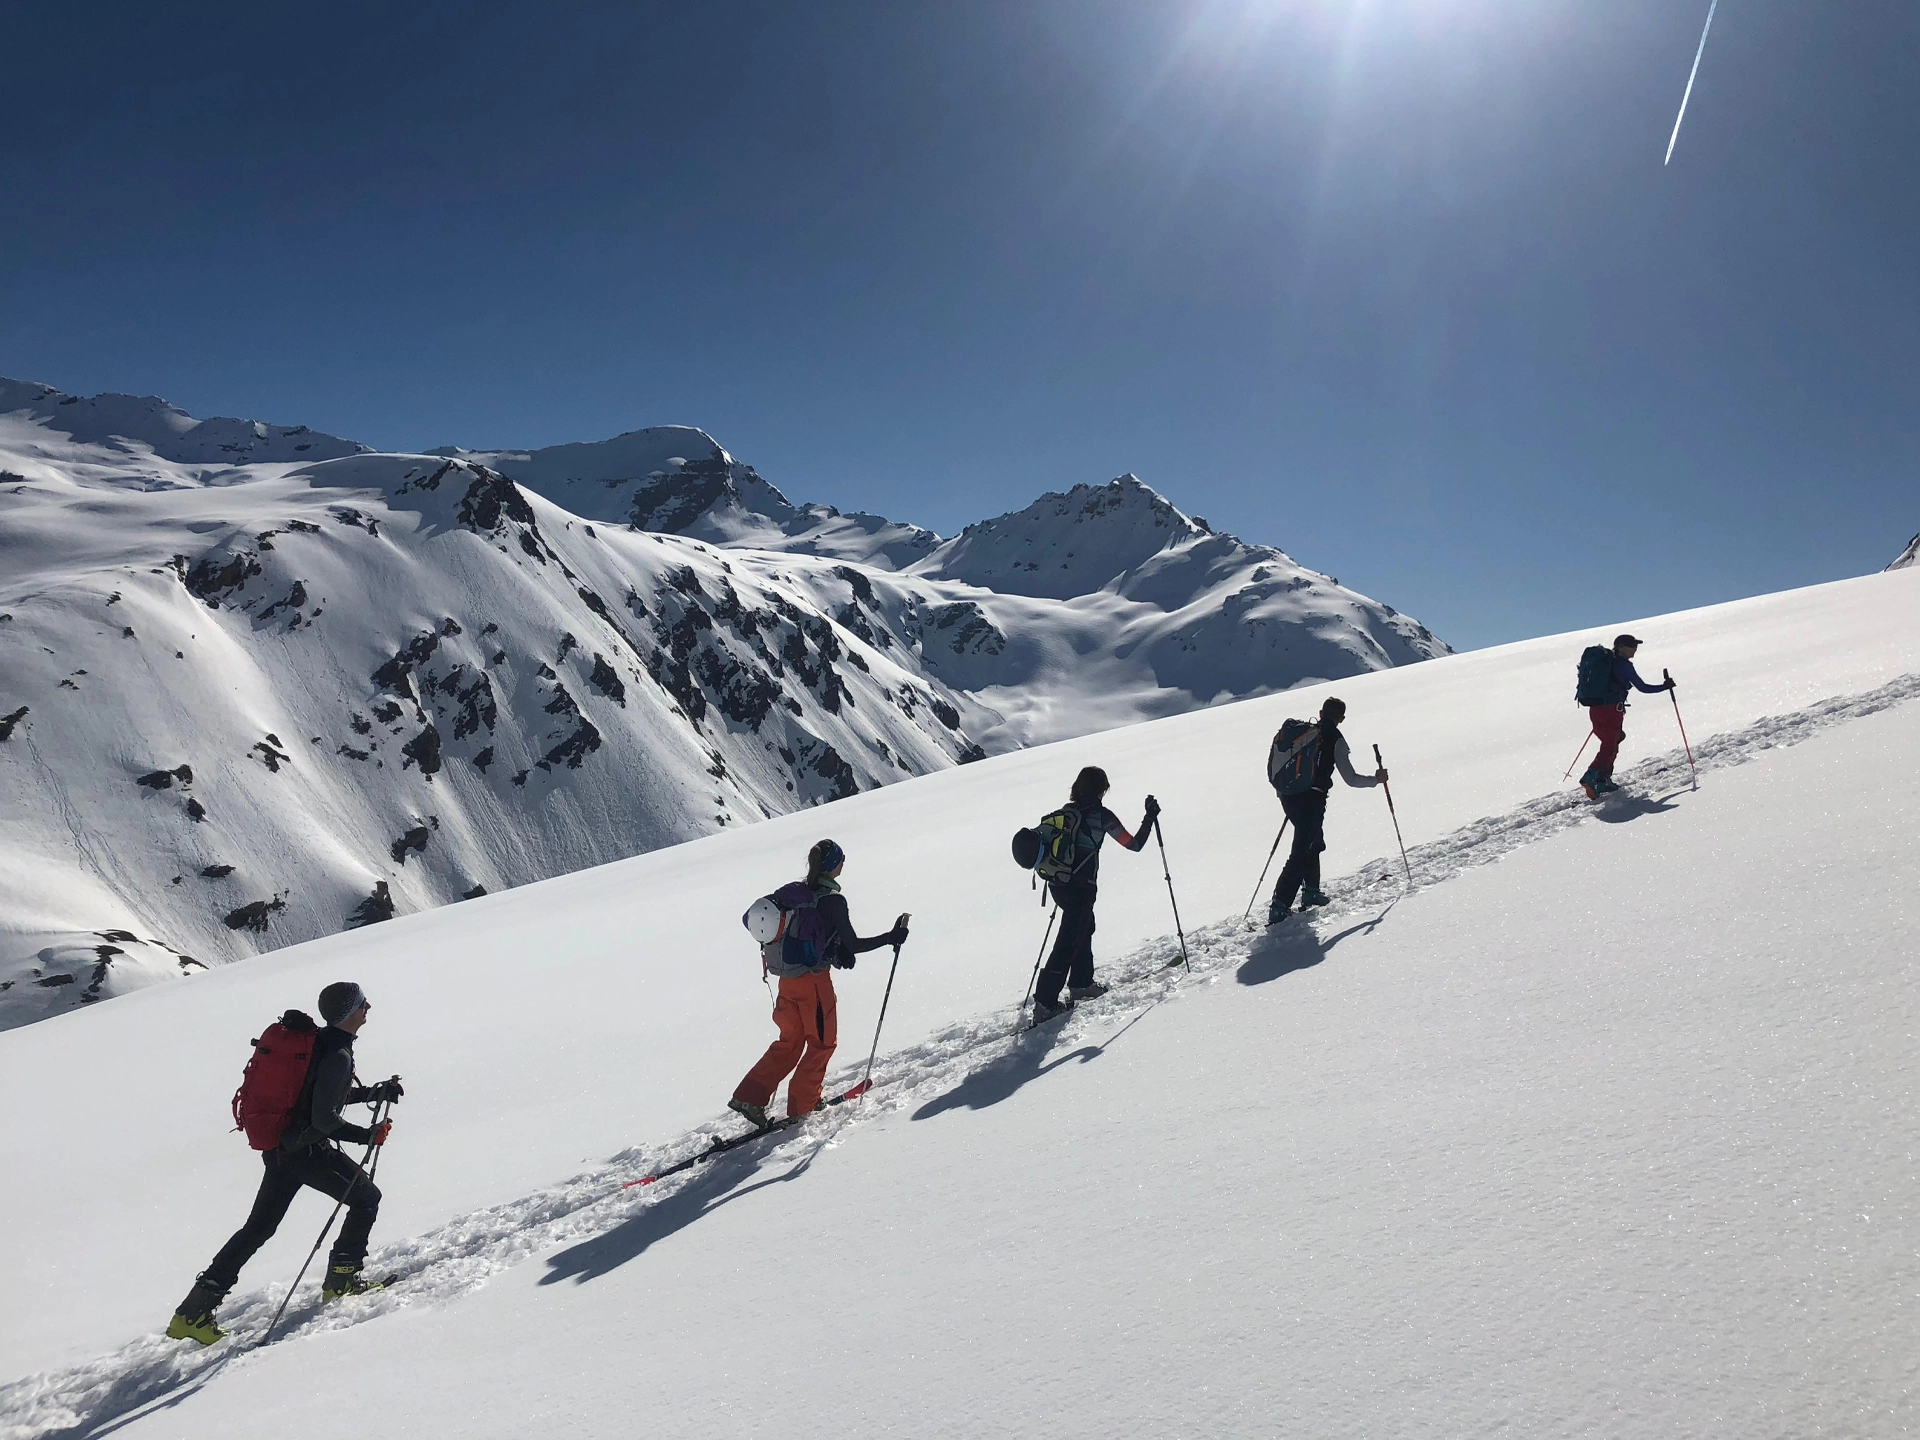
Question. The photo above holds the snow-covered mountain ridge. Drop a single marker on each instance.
(261, 684)
(1908, 556)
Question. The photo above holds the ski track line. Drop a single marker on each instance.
(96, 1397)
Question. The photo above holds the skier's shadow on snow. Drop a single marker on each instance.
(1026, 1062)
(1621, 808)
(631, 1238)
(1296, 947)
(141, 1407)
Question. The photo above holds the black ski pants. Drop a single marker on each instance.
(1308, 814)
(1071, 962)
(327, 1170)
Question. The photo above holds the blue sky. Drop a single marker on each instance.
(1398, 285)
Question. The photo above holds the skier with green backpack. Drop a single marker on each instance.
(1064, 850)
(1604, 680)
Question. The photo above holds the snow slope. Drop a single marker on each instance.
(248, 704)
(1611, 1136)
(255, 713)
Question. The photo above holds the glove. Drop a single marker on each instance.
(1672, 684)
(897, 936)
(841, 962)
(1153, 807)
(387, 1090)
(381, 1131)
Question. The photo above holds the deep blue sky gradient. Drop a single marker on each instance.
(1398, 285)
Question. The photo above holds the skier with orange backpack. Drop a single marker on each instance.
(289, 1104)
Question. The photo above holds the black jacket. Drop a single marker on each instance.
(328, 1088)
(842, 943)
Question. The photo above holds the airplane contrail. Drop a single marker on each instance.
(1674, 138)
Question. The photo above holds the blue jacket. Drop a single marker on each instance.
(1624, 675)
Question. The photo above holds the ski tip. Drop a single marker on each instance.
(643, 1180)
(857, 1091)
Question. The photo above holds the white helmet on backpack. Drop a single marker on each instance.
(765, 920)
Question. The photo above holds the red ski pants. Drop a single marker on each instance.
(809, 1021)
(1610, 724)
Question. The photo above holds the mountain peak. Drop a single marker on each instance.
(167, 430)
(662, 478)
(677, 480)
(1071, 542)
(1908, 556)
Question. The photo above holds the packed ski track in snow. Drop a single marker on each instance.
(440, 1266)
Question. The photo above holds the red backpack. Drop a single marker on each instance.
(271, 1086)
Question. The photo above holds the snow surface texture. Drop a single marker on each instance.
(257, 685)
(1611, 1136)
(1907, 556)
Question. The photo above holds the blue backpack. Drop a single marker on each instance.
(1595, 676)
(787, 923)
(1294, 758)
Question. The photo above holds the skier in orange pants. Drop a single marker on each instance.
(807, 1011)
(809, 1022)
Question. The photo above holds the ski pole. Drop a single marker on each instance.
(1263, 870)
(1171, 898)
(1031, 979)
(1576, 756)
(867, 1084)
(1396, 815)
(1671, 695)
(378, 1113)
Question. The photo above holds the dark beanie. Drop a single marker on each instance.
(339, 1000)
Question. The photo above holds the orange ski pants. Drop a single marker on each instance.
(809, 1020)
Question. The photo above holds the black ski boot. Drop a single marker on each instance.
(1043, 1012)
(345, 1280)
(1087, 992)
(1313, 899)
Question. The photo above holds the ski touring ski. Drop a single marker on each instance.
(731, 1142)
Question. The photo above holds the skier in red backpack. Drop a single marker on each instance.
(302, 1150)
(807, 1011)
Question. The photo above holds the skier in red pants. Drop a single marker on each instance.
(1609, 716)
(807, 1011)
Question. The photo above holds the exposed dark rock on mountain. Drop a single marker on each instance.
(567, 656)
